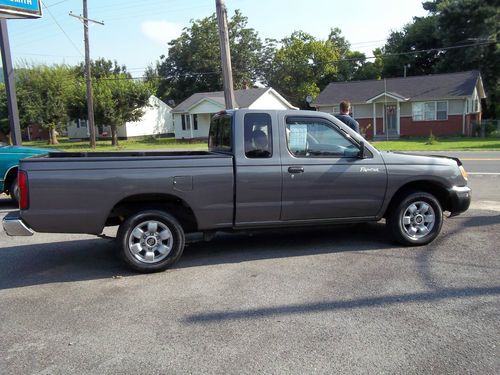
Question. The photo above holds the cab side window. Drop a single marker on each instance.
(315, 138)
(258, 135)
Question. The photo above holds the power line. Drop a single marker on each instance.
(64, 32)
(324, 63)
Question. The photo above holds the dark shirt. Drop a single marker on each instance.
(349, 121)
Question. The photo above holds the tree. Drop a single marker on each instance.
(43, 93)
(421, 34)
(472, 22)
(4, 116)
(464, 34)
(302, 66)
(118, 98)
(193, 63)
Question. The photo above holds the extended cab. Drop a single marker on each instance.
(264, 169)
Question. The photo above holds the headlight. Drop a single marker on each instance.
(464, 173)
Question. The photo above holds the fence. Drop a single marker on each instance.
(486, 129)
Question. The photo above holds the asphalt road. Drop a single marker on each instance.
(326, 300)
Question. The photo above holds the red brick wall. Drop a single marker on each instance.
(410, 128)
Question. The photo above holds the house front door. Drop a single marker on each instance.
(391, 119)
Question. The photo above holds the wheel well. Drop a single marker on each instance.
(430, 187)
(168, 203)
(9, 177)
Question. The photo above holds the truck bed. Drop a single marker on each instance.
(76, 192)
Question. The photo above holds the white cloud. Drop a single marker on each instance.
(161, 31)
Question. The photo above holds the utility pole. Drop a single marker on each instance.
(225, 54)
(10, 85)
(88, 77)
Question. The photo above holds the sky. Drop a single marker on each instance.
(136, 33)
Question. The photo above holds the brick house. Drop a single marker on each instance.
(446, 104)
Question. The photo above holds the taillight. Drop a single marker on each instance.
(22, 180)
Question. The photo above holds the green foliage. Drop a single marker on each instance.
(43, 93)
(432, 140)
(117, 98)
(4, 115)
(193, 63)
(302, 66)
(451, 23)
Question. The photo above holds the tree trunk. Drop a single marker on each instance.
(53, 136)
(6, 138)
(114, 136)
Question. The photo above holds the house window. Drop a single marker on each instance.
(430, 111)
(186, 122)
(81, 123)
(195, 122)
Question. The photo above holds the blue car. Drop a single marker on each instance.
(9, 161)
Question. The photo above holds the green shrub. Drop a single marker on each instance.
(432, 140)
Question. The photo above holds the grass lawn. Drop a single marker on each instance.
(158, 144)
(148, 143)
(442, 144)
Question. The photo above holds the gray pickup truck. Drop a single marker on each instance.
(263, 169)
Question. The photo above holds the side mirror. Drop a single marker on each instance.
(363, 151)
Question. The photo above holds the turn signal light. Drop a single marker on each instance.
(22, 180)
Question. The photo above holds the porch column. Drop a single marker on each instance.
(398, 116)
(374, 119)
(191, 125)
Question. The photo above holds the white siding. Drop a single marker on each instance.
(362, 111)
(76, 132)
(456, 106)
(405, 109)
(203, 127)
(268, 101)
(157, 120)
(326, 108)
(207, 106)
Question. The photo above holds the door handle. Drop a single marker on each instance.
(294, 170)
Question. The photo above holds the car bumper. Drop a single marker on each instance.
(14, 226)
(460, 197)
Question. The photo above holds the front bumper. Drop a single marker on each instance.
(460, 198)
(14, 226)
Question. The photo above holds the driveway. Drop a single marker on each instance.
(342, 299)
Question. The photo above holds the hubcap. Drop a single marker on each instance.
(150, 241)
(418, 220)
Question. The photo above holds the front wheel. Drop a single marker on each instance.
(416, 220)
(151, 241)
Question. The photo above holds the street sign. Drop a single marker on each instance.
(20, 8)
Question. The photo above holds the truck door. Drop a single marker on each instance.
(257, 168)
(323, 176)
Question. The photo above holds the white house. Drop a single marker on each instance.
(157, 120)
(192, 116)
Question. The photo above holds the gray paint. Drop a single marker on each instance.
(73, 194)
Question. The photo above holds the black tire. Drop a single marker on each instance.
(401, 222)
(150, 241)
(14, 190)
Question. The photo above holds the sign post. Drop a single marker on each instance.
(14, 9)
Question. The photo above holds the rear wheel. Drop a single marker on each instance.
(14, 190)
(416, 220)
(151, 241)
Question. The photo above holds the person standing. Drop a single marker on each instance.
(345, 108)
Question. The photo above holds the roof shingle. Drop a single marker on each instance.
(416, 87)
(244, 98)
